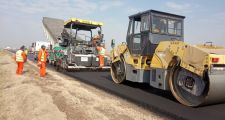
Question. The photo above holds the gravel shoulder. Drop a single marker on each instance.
(58, 97)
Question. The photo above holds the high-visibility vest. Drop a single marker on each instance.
(42, 56)
(19, 57)
(101, 51)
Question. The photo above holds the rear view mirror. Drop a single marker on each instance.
(112, 43)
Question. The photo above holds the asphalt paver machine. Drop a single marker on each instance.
(74, 49)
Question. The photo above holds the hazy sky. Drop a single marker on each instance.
(20, 20)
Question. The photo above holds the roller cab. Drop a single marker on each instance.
(133, 60)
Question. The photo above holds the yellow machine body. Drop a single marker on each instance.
(193, 58)
(195, 74)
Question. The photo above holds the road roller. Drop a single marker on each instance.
(155, 53)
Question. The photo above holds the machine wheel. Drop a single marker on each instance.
(54, 63)
(187, 87)
(50, 62)
(64, 64)
(118, 71)
(58, 65)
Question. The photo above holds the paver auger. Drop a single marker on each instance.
(155, 53)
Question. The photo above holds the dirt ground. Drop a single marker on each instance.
(58, 97)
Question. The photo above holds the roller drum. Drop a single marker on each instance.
(216, 92)
(192, 90)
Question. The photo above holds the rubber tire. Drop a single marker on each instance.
(172, 87)
(121, 62)
(50, 62)
(58, 66)
(65, 66)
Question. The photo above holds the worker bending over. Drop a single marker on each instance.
(20, 59)
(42, 58)
(101, 54)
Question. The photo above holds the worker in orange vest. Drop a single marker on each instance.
(97, 38)
(20, 58)
(42, 58)
(101, 54)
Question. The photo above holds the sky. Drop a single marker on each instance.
(21, 20)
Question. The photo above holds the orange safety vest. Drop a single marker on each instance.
(101, 50)
(19, 57)
(42, 55)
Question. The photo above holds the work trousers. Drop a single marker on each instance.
(19, 69)
(101, 60)
(43, 69)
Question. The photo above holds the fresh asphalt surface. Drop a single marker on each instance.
(147, 97)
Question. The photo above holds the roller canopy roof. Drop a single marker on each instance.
(156, 12)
